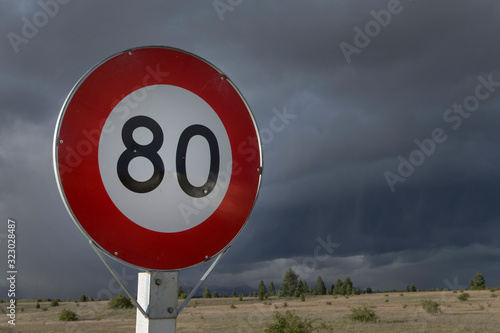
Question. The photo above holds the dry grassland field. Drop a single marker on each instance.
(397, 312)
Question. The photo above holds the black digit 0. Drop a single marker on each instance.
(149, 151)
(187, 187)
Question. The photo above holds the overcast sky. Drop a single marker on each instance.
(386, 169)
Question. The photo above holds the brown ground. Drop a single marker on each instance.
(398, 312)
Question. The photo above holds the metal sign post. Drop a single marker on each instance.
(157, 292)
(155, 297)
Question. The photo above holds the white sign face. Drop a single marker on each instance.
(153, 140)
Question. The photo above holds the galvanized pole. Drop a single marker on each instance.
(157, 294)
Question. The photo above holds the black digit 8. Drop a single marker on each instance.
(134, 149)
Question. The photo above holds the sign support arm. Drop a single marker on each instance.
(132, 298)
(203, 278)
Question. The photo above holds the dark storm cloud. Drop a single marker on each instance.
(324, 168)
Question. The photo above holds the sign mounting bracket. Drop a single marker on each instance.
(132, 298)
(111, 270)
(203, 278)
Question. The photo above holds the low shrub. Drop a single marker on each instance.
(67, 315)
(363, 314)
(120, 302)
(430, 306)
(290, 322)
(463, 297)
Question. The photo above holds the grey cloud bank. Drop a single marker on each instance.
(332, 129)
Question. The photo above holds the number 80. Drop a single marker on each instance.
(150, 151)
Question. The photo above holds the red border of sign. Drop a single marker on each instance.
(77, 169)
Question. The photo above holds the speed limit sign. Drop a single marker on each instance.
(158, 158)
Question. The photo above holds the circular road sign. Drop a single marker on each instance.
(158, 158)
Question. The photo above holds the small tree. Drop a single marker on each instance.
(478, 282)
(206, 293)
(413, 288)
(320, 286)
(272, 290)
(369, 290)
(302, 288)
(262, 290)
(282, 292)
(347, 286)
(233, 294)
(407, 289)
(290, 282)
(338, 289)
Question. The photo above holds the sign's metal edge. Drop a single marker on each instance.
(56, 161)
